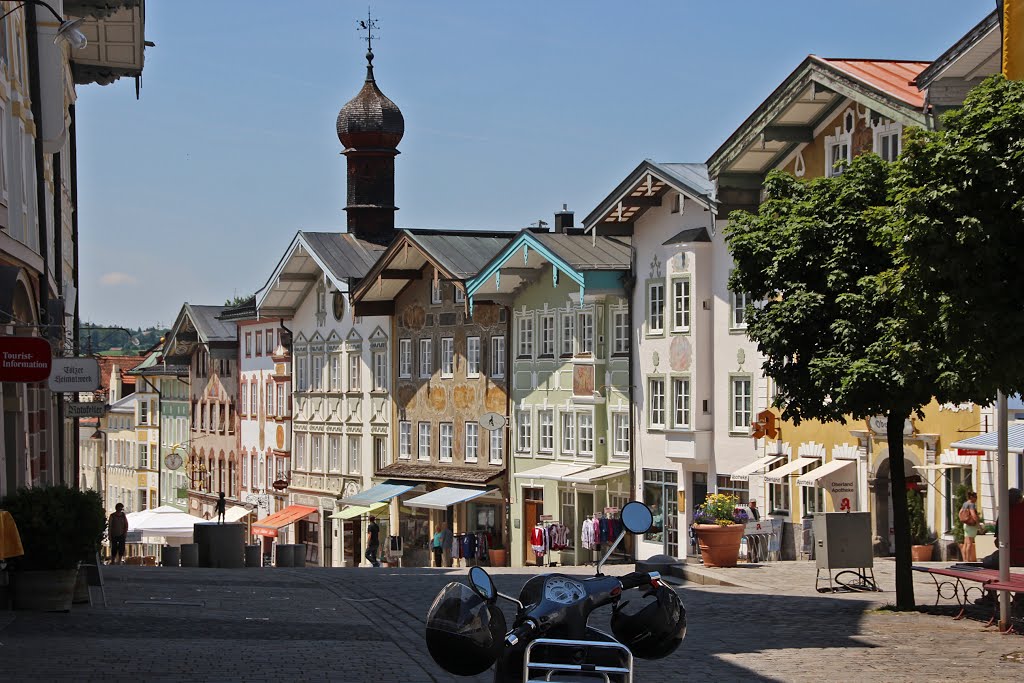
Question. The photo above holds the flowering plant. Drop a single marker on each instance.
(720, 509)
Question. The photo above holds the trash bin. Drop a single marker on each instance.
(189, 554)
(252, 556)
(170, 556)
(285, 555)
(300, 555)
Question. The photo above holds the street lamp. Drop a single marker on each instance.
(68, 31)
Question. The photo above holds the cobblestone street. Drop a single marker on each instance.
(366, 625)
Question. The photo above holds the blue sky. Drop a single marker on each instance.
(193, 192)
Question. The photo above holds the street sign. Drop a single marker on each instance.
(93, 409)
(74, 375)
(492, 421)
(970, 451)
(24, 359)
(173, 460)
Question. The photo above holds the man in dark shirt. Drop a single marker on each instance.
(372, 541)
(117, 531)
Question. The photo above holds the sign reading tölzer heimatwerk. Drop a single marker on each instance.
(24, 359)
(75, 374)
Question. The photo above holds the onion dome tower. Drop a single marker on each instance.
(370, 126)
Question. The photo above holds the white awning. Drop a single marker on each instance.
(756, 467)
(353, 511)
(236, 513)
(988, 441)
(444, 497)
(776, 476)
(596, 474)
(555, 471)
(814, 476)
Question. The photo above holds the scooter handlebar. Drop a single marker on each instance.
(520, 632)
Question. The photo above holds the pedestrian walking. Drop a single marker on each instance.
(117, 531)
(441, 544)
(969, 518)
(372, 541)
(222, 506)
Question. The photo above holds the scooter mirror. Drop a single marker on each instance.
(636, 517)
(482, 584)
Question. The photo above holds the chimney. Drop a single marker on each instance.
(563, 219)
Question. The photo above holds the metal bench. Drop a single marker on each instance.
(953, 580)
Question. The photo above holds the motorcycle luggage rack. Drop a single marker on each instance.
(599, 672)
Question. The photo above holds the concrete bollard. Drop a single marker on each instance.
(285, 555)
(300, 555)
(170, 556)
(253, 556)
(189, 554)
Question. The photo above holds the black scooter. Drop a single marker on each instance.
(551, 639)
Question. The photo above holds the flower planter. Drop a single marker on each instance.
(719, 545)
(44, 591)
(497, 557)
(921, 553)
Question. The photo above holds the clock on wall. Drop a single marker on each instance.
(338, 305)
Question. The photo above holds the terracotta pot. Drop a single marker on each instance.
(719, 545)
(921, 553)
(44, 591)
(496, 557)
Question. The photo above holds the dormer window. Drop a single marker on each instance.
(888, 139)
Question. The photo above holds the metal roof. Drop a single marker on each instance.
(460, 253)
(344, 254)
(692, 175)
(984, 28)
(208, 323)
(583, 252)
(891, 77)
(647, 183)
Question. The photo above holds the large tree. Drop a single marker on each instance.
(839, 337)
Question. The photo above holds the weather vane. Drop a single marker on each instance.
(368, 25)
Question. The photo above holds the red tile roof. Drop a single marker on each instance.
(888, 76)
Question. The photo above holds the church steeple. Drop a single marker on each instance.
(370, 126)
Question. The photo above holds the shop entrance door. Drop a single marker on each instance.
(533, 508)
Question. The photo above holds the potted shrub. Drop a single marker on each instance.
(720, 526)
(59, 527)
(496, 554)
(922, 544)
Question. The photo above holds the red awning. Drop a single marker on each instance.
(268, 526)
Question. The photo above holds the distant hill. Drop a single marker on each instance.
(101, 338)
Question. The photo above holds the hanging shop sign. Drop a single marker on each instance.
(24, 359)
(173, 460)
(74, 375)
(970, 451)
(492, 421)
(93, 409)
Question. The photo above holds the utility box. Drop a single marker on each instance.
(843, 540)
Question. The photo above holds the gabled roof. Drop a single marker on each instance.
(571, 254)
(809, 97)
(645, 186)
(201, 322)
(457, 255)
(338, 256)
(957, 58)
(208, 323)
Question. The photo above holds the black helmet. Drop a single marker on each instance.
(465, 633)
(654, 630)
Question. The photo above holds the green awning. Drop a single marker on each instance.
(353, 511)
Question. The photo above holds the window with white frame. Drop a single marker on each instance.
(255, 396)
(282, 405)
(245, 471)
(656, 401)
(248, 344)
(424, 442)
(355, 448)
(547, 337)
(524, 431)
(585, 425)
(270, 398)
(585, 324)
(405, 357)
(472, 441)
(317, 372)
(620, 332)
(446, 437)
(334, 452)
(472, 356)
(838, 145)
(436, 295)
(496, 454)
(243, 397)
(405, 440)
(334, 372)
(302, 384)
(524, 332)
(355, 366)
(568, 333)
(568, 433)
(545, 430)
(656, 308)
(680, 305)
(300, 452)
(380, 452)
(447, 357)
(888, 140)
(143, 412)
(316, 456)
(460, 295)
(143, 455)
(620, 434)
(742, 403)
(738, 302)
(681, 403)
(380, 371)
(497, 357)
(426, 357)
